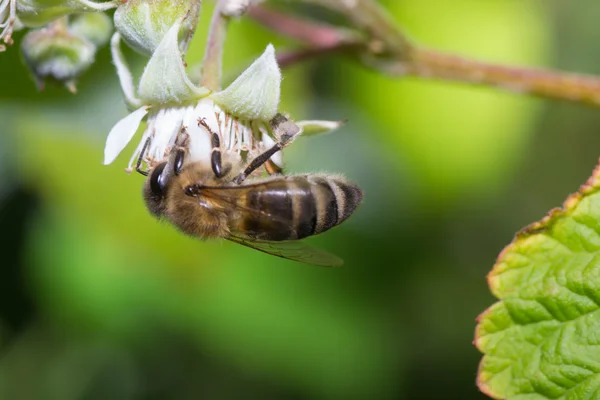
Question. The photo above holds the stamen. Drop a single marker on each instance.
(232, 131)
(246, 136)
(224, 121)
(228, 119)
(8, 8)
(166, 126)
(235, 134)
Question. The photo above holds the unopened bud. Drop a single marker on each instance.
(37, 13)
(54, 53)
(95, 27)
(235, 8)
(143, 23)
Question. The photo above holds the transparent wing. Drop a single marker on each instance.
(229, 196)
(292, 250)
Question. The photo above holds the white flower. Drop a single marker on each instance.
(172, 105)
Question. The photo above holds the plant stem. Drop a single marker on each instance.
(213, 55)
(322, 39)
(308, 32)
(578, 88)
(289, 58)
(376, 22)
(387, 49)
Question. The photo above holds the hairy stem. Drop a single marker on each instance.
(289, 58)
(373, 19)
(311, 33)
(584, 89)
(213, 55)
(384, 47)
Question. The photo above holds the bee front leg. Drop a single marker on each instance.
(183, 139)
(215, 154)
(138, 165)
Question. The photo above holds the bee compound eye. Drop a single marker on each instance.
(179, 161)
(158, 182)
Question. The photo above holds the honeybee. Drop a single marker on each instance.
(267, 214)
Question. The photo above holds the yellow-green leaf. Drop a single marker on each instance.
(542, 340)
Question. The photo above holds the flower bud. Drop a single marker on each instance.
(55, 53)
(235, 8)
(37, 13)
(95, 27)
(143, 23)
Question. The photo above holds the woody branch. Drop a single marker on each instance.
(378, 42)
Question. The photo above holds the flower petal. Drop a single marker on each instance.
(200, 139)
(164, 125)
(164, 80)
(314, 127)
(122, 133)
(254, 95)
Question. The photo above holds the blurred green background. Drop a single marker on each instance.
(99, 301)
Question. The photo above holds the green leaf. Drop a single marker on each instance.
(542, 340)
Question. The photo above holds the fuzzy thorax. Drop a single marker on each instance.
(196, 216)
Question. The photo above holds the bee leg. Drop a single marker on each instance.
(257, 162)
(272, 168)
(285, 131)
(183, 139)
(138, 165)
(215, 154)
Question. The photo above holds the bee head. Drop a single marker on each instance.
(159, 180)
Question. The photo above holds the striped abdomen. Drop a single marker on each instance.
(295, 207)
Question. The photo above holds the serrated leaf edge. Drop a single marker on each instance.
(591, 186)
